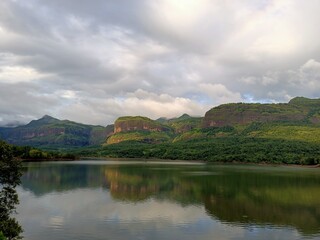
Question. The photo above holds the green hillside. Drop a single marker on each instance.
(298, 110)
(139, 136)
(272, 133)
(241, 132)
(304, 132)
(52, 133)
(184, 123)
(139, 123)
(143, 129)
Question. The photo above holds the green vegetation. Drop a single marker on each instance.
(27, 153)
(298, 110)
(288, 132)
(138, 123)
(273, 133)
(139, 136)
(276, 133)
(135, 118)
(2, 237)
(183, 123)
(10, 173)
(302, 101)
(206, 133)
(220, 149)
(52, 133)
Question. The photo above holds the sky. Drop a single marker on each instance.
(94, 61)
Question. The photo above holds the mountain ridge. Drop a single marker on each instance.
(232, 119)
(302, 115)
(50, 132)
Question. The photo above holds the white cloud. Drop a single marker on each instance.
(219, 93)
(17, 74)
(183, 56)
(140, 102)
(286, 84)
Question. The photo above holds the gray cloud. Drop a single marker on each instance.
(93, 61)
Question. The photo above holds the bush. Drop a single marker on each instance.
(10, 173)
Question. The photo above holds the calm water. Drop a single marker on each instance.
(143, 200)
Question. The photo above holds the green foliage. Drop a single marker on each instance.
(54, 133)
(305, 102)
(138, 123)
(36, 154)
(28, 153)
(139, 136)
(298, 110)
(184, 123)
(2, 237)
(206, 133)
(10, 173)
(284, 131)
(217, 149)
(193, 134)
(134, 118)
(229, 132)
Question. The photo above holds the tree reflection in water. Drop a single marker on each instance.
(236, 195)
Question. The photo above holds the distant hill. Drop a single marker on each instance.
(298, 110)
(286, 133)
(49, 132)
(182, 124)
(298, 120)
(141, 129)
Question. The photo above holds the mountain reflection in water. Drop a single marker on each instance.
(239, 197)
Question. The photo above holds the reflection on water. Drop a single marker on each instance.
(106, 200)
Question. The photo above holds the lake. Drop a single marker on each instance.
(167, 200)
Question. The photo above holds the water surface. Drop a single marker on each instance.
(168, 200)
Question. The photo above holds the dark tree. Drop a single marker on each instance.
(10, 173)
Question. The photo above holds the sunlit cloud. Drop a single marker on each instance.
(123, 58)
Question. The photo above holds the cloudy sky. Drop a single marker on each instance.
(93, 61)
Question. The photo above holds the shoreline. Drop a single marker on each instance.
(48, 160)
(196, 161)
(169, 161)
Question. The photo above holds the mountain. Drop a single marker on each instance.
(299, 119)
(184, 123)
(138, 123)
(242, 132)
(49, 132)
(298, 110)
(287, 133)
(141, 129)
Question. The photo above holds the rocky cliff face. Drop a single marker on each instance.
(127, 124)
(297, 110)
(139, 129)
